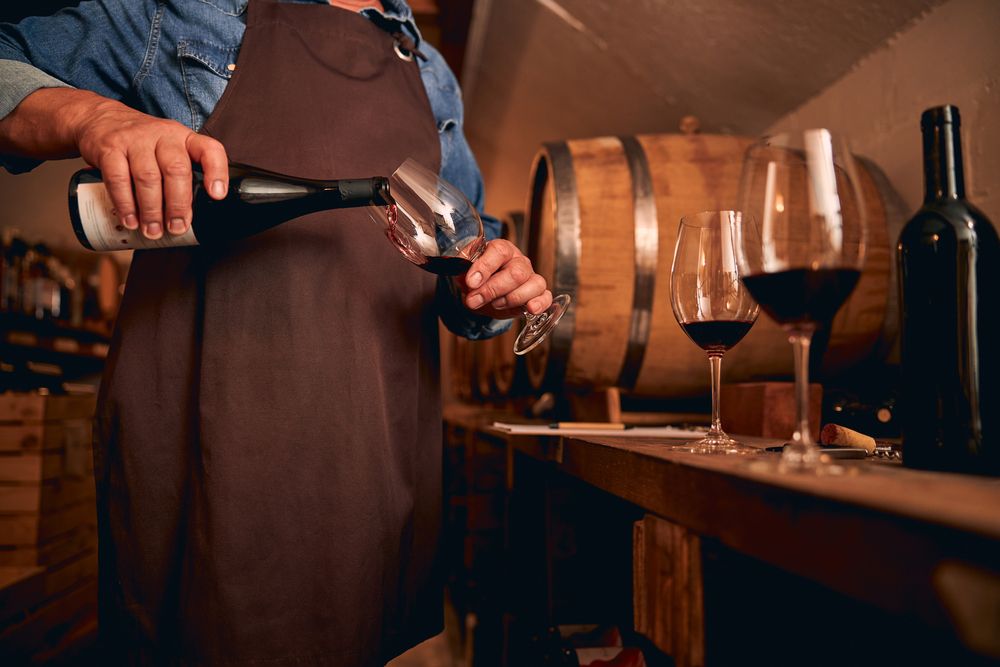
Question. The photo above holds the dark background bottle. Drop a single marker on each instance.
(256, 200)
(949, 273)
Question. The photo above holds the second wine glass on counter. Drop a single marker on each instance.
(437, 228)
(801, 190)
(712, 305)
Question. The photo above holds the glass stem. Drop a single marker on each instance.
(800, 343)
(715, 361)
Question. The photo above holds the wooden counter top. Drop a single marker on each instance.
(961, 502)
(919, 544)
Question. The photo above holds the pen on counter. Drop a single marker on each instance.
(608, 426)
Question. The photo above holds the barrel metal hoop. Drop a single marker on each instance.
(647, 238)
(568, 245)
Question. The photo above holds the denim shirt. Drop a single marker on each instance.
(173, 59)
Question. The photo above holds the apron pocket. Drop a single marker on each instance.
(206, 70)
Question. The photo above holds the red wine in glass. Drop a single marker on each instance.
(801, 197)
(717, 335)
(447, 266)
(712, 306)
(441, 265)
(802, 296)
(434, 225)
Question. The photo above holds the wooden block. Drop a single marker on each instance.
(32, 529)
(37, 407)
(47, 496)
(63, 576)
(767, 409)
(29, 437)
(45, 451)
(667, 589)
(55, 550)
(31, 467)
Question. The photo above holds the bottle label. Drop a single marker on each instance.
(103, 230)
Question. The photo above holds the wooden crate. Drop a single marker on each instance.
(33, 408)
(48, 524)
(46, 473)
(58, 549)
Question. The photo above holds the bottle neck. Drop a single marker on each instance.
(943, 177)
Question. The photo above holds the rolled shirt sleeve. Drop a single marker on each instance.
(20, 80)
(96, 45)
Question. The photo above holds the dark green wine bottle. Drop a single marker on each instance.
(949, 285)
(256, 200)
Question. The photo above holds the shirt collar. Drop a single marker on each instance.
(396, 11)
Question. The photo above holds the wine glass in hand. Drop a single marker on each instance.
(801, 191)
(712, 305)
(437, 228)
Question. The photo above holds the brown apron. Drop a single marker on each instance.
(269, 463)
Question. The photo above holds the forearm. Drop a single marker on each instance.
(45, 124)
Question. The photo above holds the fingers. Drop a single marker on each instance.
(175, 166)
(522, 294)
(510, 283)
(540, 303)
(211, 155)
(118, 182)
(498, 252)
(146, 165)
(148, 185)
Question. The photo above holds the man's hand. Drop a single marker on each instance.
(145, 161)
(501, 283)
(146, 165)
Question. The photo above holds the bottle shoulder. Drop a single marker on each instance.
(954, 218)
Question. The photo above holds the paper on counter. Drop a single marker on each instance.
(631, 432)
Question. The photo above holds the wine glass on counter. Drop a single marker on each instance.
(800, 193)
(712, 305)
(436, 227)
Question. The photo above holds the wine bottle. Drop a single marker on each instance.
(949, 283)
(256, 201)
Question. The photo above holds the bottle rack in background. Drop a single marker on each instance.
(56, 313)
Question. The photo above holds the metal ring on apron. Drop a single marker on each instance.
(402, 53)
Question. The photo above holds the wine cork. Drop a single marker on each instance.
(834, 434)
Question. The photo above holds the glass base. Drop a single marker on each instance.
(718, 444)
(538, 327)
(799, 459)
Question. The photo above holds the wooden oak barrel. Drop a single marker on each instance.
(602, 222)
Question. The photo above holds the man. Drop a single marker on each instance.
(268, 455)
